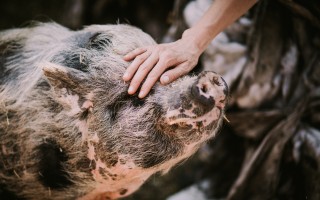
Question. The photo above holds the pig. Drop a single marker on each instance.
(70, 130)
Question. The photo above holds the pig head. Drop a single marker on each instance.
(68, 128)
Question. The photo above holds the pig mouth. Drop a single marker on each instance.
(189, 119)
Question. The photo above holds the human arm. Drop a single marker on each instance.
(181, 56)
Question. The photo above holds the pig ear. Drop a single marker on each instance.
(62, 77)
(70, 87)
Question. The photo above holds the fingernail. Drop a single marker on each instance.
(130, 90)
(141, 94)
(165, 79)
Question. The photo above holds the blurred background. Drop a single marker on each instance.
(152, 16)
(270, 59)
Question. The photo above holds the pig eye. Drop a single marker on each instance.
(99, 41)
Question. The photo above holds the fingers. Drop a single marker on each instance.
(133, 67)
(152, 78)
(142, 71)
(175, 73)
(131, 55)
(150, 62)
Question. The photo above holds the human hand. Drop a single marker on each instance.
(151, 62)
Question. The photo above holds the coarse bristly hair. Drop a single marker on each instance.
(68, 128)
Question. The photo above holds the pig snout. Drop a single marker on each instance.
(198, 107)
(210, 90)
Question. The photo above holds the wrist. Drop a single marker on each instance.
(200, 38)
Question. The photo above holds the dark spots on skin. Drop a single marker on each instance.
(6, 194)
(215, 81)
(167, 148)
(103, 173)
(82, 39)
(123, 100)
(7, 50)
(174, 127)
(85, 165)
(176, 106)
(84, 114)
(110, 160)
(43, 85)
(207, 103)
(109, 174)
(113, 110)
(183, 126)
(50, 166)
(113, 162)
(197, 111)
(199, 124)
(92, 164)
(85, 111)
(185, 102)
(137, 102)
(181, 110)
(79, 59)
(123, 191)
(99, 41)
(75, 60)
(172, 118)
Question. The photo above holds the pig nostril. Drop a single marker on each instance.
(215, 80)
(204, 88)
(200, 94)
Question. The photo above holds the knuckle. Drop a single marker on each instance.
(166, 55)
(166, 61)
(184, 70)
(144, 68)
(139, 50)
(139, 58)
(153, 76)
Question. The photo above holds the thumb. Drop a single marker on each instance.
(175, 73)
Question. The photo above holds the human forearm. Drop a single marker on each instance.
(218, 16)
(173, 60)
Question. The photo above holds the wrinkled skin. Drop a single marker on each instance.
(68, 128)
